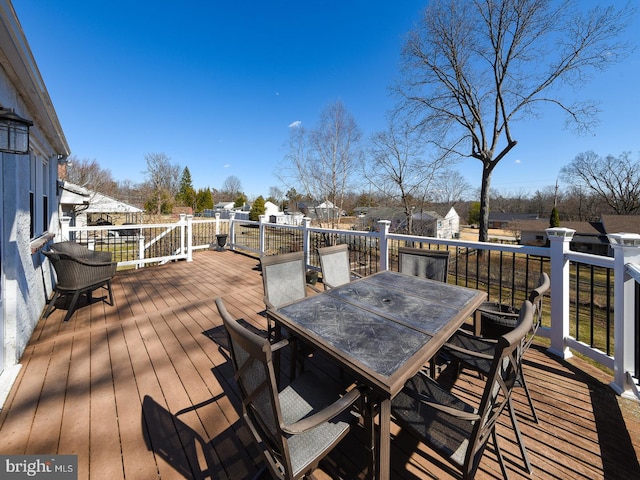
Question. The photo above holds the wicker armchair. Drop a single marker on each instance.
(79, 270)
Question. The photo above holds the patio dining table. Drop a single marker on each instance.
(382, 329)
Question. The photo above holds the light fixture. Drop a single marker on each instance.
(14, 132)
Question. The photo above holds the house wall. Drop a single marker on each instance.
(27, 278)
(450, 225)
(28, 190)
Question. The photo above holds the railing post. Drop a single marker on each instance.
(189, 238)
(384, 244)
(232, 230)
(217, 223)
(306, 224)
(263, 246)
(140, 251)
(559, 239)
(182, 222)
(626, 249)
(64, 234)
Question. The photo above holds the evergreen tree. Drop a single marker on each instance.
(204, 200)
(257, 209)
(240, 201)
(186, 195)
(474, 213)
(554, 220)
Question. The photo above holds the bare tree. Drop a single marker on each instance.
(232, 186)
(616, 180)
(88, 173)
(398, 168)
(471, 68)
(163, 180)
(323, 162)
(276, 195)
(450, 186)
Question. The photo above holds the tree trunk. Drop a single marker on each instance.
(483, 233)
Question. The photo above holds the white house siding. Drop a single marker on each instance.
(25, 278)
(451, 224)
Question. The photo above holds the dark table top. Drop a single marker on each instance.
(383, 325)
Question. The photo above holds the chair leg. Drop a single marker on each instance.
(51, 304)
(110, 302)
(516, 429)
(526, 389)
(505, 475)
(72, 306)
(369, 415)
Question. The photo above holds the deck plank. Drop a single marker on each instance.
(144, 389)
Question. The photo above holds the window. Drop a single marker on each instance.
(38, 195)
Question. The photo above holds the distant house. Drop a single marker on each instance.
(228, 206)
(271, 208)
(590, 237)
(324, 211)
(86, 207)
(501, 220)
(274, 215)
(433, 224)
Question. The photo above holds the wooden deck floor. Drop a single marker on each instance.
(144, 389)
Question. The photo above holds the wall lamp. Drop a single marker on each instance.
(14, 132)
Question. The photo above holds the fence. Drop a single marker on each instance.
(593, 307)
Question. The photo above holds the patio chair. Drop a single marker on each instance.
(79, 270)
(296, 427)
(424, 263)
(284, 281)
(336, 266)
(455, 429)
(472, 352)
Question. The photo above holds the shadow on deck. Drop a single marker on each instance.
(144, 389)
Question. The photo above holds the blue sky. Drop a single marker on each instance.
(215, 85)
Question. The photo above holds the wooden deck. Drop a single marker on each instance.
(144, 389)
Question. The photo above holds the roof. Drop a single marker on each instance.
(581, 228)
(97, 203)
(621, 223)
(509, 217)
(104, 204)
(607, 224)
(426, 216)
(73, 194)
(225, 205)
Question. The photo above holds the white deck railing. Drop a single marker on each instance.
(625, 264)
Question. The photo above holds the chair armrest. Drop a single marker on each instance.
(90, 263)
(281, 344)
(472, 353)
(268, 304)
(454, 412)
(324, 415)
